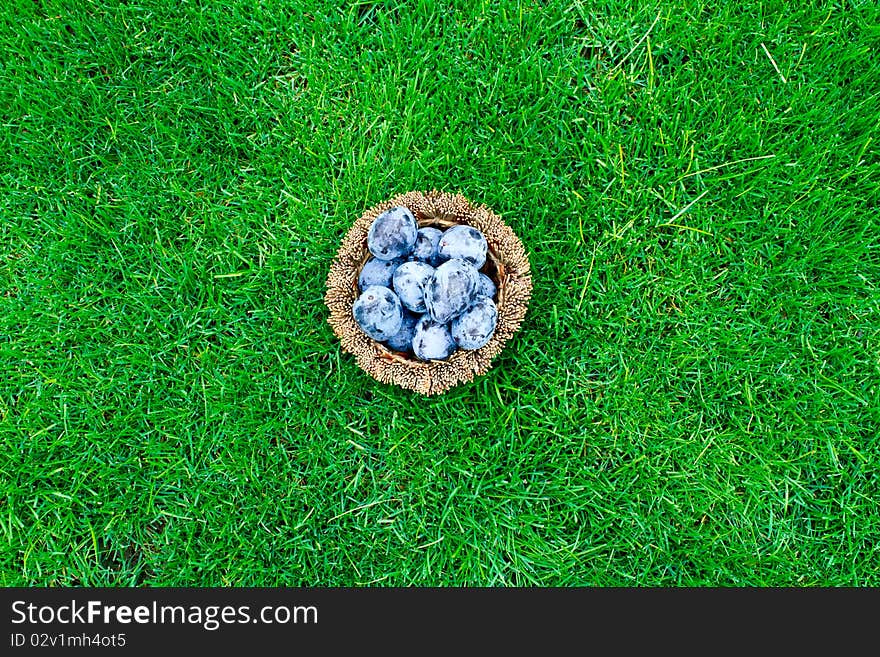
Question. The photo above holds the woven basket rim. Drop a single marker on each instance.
(510, 271)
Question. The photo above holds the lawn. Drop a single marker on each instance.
(692, 400)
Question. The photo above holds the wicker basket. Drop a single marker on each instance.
(507, 265)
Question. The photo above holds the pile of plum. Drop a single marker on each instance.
(422, 291)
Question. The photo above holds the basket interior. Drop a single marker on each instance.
(493, 268)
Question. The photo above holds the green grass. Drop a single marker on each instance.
(693, 399)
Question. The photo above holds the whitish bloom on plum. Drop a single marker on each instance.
(465, 242)
(410, 280)
(425, 249)
(378, 312)
(392, 234)
(432, 341)
(377, 272)
(475, 326)
(451, 290)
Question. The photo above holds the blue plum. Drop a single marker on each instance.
(432, 341)
(425, 249)
(487, 287)
(451, 290)
(464, 242)
(410, 280)
(402, 340)
(475, 326)
(378, 312)
(377, 272)
(392, 234)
